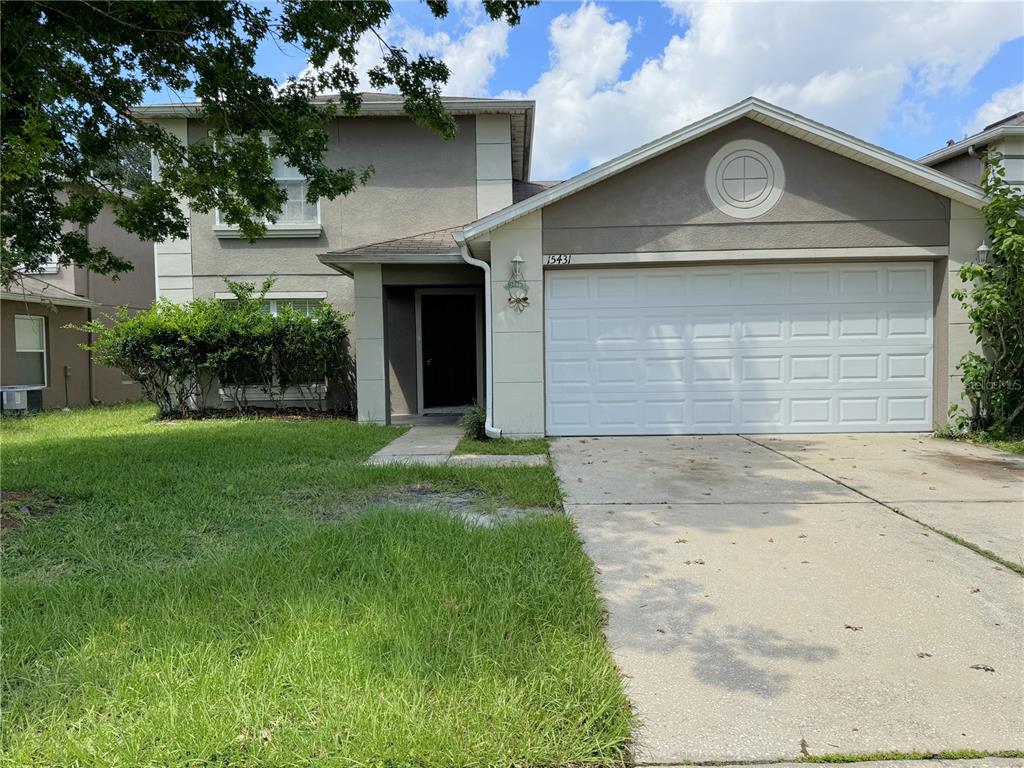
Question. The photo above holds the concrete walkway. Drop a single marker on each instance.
(763, 600)
(433, 442)
(423, 444)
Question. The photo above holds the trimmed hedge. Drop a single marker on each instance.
(179, 352)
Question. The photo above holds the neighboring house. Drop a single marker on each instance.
(753, 272)
(963, 159)
(41, 357)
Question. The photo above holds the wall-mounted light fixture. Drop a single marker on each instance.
(516, 286)
(983, 252)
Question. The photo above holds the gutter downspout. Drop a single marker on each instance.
(489, 428)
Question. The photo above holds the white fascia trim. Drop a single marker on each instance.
(227, 232)
(753, 108)
(278, 295)
(473, 106)
(982, 139)
(759, 255)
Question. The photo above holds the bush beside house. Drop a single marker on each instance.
(230, 355)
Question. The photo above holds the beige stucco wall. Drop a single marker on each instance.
(518, 337)
(966, 233)
(420, 183)
(829, 201)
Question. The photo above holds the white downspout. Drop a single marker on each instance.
(489, 427)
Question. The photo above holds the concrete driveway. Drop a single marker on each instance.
(770, 594)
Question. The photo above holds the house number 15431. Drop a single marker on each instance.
(557, 259)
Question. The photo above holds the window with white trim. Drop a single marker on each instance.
(273, 306)
(30, 350)
(303, 306)
(296, 212)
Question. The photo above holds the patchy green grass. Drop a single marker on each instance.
(189, 603)
(1014, 444)
(503, 446)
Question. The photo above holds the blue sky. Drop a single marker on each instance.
(608, 76)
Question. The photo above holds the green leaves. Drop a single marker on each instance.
(72, 74)
(993, 296)
(185, 354)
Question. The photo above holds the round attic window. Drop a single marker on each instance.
(745, 179)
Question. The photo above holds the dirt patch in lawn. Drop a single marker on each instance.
(18, 506)
(470, 506)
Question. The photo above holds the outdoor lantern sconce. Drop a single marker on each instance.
(983, 251)
(516, 286)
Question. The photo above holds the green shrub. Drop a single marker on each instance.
(179, 352)
(473, 422)
(993, 296)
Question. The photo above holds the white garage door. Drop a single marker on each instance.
(793, 348)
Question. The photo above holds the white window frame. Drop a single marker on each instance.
(275, 296)
(277, 229)
(46, 368)
(49, 267)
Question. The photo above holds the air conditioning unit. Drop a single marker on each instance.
(15, 401)
(20, 400)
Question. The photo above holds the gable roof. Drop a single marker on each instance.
(1013, 125)
(768, 114)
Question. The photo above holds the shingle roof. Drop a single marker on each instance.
(436, 243)
(37, 290)
(524, 189)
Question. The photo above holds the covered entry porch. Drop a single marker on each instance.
(418, 327)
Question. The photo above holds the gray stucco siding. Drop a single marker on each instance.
(420, 183)
(963, 167)
(400, 349)
(829, 201)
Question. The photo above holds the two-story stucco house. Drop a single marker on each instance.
(40, 358)
(755, 271)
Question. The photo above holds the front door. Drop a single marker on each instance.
(448, 333)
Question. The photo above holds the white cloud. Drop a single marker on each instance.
(1002, 104)
(471, 54)
(846, 64)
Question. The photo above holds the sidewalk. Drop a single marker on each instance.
(433, 443)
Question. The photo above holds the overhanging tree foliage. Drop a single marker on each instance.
(73, 72)
(994, 299)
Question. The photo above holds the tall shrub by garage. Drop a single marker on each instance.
(179, 352)
(993, 297)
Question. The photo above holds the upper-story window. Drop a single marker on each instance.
(297, 218)
(49, 267)
(296, 210)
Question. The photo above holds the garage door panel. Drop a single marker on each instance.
(659, 370)
(706, 350)
(710, 412)
(580, 328)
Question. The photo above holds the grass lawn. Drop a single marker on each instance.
(503, 446)
(1015, 445)
(207, 594)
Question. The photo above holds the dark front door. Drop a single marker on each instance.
(448, 327)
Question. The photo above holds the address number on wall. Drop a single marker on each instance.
(557, 259)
